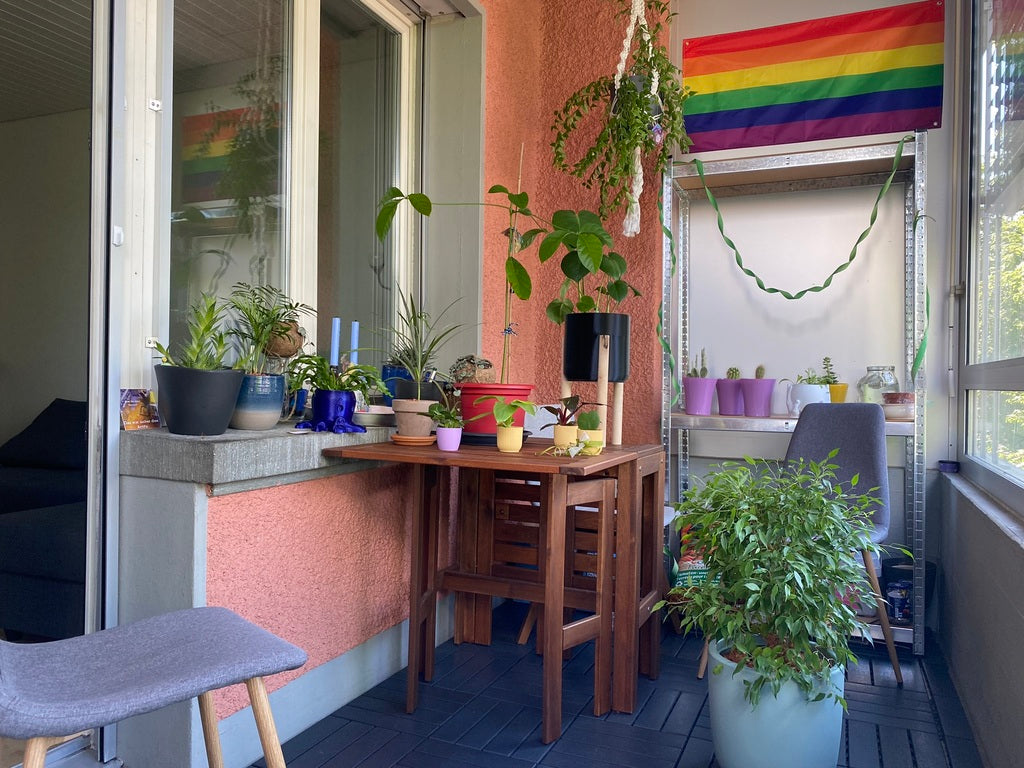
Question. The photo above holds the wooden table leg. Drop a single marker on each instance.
(653, 583)
(433, 491)
(417, 558)
(553, 566)
(628, 535)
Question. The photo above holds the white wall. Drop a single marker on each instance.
(44, 293)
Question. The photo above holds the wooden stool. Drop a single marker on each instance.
(49, 690)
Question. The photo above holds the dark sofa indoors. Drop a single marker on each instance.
(42, 524)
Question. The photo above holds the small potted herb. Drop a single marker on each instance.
(836, 389)
(449, 420)
(564, 425)
(509, 436)
(590, 432)
(809, 387)
(334, 390)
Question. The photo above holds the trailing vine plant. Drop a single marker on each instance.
(640, 114)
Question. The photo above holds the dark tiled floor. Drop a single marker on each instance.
(483, 711)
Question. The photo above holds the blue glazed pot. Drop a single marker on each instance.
(391, 374)
(259, 402)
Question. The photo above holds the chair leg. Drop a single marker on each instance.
(702, 667)
(883, 615)
(211, 731)
(528, 624)
(35, 752)
(265, 722)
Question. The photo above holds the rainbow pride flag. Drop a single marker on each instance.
(877, 71)
(200, 170)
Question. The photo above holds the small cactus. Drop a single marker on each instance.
(732, 373)
(701, 371)
(759, 372)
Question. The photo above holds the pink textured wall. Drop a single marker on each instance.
(323, 564)
(539, 52)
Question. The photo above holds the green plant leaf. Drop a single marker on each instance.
(613, 265)
(549, 245)
(527, 238)
(518, 278)
(558, 309)
(498, 189)
(586, 304)
(385, 216)
(420, 202)
(591, 251)
(566, 220)
(617, 290)
(572, 267)
(519, 199)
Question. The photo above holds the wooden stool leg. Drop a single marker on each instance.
(528, 623)
(211, 733)
(35, 752)
(883, 615)
(265, 723)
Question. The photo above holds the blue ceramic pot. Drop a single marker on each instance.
(259, 402)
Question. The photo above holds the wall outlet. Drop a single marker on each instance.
(151, 342)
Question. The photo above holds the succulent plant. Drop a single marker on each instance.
(759, 372)
(829, 376)
(732, 373)
(701, 371)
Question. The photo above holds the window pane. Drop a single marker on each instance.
(997, 275)
(359, 91)
(227, 183)
(997, 431)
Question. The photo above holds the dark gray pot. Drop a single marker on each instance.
(196, 402)
(582, 343)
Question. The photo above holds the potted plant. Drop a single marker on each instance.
(416, 339)
(592, 286)
(730, 394)
(633, 115)
(565, 427)
(265, 319)
(509, 435)
(197, 393)
(809, 387)
(836, 388)
(334, 391)
(780, 545)
(449, 420)
(757, 394)
(698, 387)
(517, 284)
(590, 432)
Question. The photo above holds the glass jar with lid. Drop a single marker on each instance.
(876, 382)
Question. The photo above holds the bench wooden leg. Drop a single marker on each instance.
(265, 723)
(35, 752)
(211, 733)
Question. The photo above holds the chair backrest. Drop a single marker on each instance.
(858, 431)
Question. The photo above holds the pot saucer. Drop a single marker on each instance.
(412, 440)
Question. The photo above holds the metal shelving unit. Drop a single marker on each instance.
(822, 169)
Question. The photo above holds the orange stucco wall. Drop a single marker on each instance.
(538, 52)
(323, 564)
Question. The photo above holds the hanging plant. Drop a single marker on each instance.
(641, 112)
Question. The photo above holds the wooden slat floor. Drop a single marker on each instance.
(482, 710)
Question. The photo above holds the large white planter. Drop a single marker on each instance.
(787, 730)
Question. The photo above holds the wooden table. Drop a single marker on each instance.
(639, 474)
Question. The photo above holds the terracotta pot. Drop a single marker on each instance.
(411, 418)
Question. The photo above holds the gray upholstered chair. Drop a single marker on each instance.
(858, 431)
(49, 690)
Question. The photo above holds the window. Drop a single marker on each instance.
(992, 373)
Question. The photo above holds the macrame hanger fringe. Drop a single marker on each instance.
(631, 224)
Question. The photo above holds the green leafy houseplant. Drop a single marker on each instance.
(810, 376)
(504, 411)
(634, 114)
(446, 411)
(588, 420)
(317, 371)
(565, 411)
(207, 343)
(262, 315)
(585, 239)
(781, 547)
(416, 339)
(517, 278)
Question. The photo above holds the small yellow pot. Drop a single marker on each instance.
(593, 442)
(565, 435)
(837, 392)
(510, 439)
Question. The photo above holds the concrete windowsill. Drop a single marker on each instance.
(238, 459)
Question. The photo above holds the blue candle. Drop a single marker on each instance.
(354, 346)
(335, 340)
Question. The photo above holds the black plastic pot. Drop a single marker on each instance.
(582, 343)
(196, 402)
